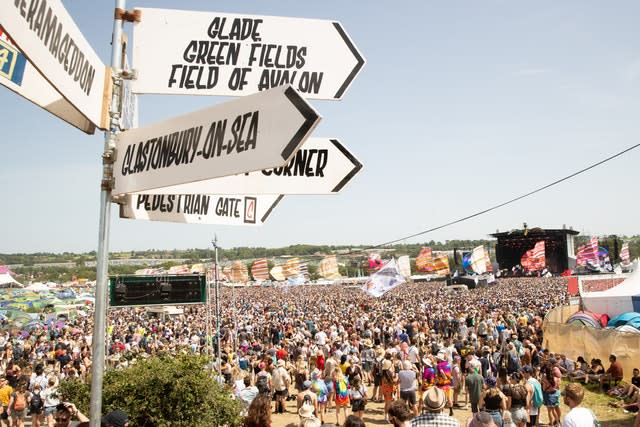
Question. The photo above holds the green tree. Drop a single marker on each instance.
(162, 392)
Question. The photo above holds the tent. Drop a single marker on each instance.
(617, 300)
(7, 281)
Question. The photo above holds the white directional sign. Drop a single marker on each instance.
(20, 76)
(47, 35)
(200, 208)
(250, 133)
(321, 166)
(208, 53)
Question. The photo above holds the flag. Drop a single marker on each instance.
(588, 253)
(385, 279)
(276, 273)
(328, 268)
(374, 262)
(479, 260)
(404, 265)
(291, 268)
(625, 256)
(424, 261)
(239, 272)
(179, 269)
(260, 270)
(441, 264)
(534, 259)
(226, 273)
(304, 271)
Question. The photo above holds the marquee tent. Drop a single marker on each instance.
(619, 299)
(7, 281)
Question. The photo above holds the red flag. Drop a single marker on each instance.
(534, 259)
(424, 261)
(588, 253)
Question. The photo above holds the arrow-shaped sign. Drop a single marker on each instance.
(321, 166)
(200, 208)
(209, 53)
(251, 133)
(20, 76)
(47, 35)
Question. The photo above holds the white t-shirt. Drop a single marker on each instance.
(578, 417)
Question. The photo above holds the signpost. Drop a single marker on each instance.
(20, 76)
(320, 166)
(209, 53)
(200, 208)
(250, 133)
(45, 32)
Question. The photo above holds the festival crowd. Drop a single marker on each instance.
(420, 349)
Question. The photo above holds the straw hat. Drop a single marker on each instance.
(386, 364)
(434, 399)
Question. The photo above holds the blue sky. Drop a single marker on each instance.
(461, 106)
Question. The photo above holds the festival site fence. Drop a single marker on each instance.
(579, 340)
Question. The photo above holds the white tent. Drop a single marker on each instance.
(38, 287)
(619, 299)
(7, 281)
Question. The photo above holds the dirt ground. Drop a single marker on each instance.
(373, 414)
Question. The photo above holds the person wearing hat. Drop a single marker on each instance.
(368, 356)
(493, 400)
(433, 403)
(307, 397)
(307, 417)
(280, 380)
(388, 385)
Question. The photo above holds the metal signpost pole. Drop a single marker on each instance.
(100, 314)
(217, 292)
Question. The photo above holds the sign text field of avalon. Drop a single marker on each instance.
(208, 53)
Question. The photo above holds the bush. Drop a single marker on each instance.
(162, 391)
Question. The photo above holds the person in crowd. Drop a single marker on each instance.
(518, 400)
(435, 401)
(247, 394)
(66, 412)
(358, 397)
(353, 421)
(115, 418)
(492, 400)
(259, 412)
(307, 417)
(407, 383)
(399, 414)
(36, 406)
(388, 385)
(481, 419)
(474, 384)
(614, 374)
(577, 416)
(551, 393)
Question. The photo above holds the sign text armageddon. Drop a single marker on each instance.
(44, 23)
(182, 147)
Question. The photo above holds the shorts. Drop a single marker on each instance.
(4, 415)
(282, 393)
(519, 415)
(49, 410)
(409, 396)
(366, 366)
(18, 415)
(357, 405)
(552, 399)
(377, 380)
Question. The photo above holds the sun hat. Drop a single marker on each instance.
(434, 399)
(386, 364)
(306, 411)
(306, 384)
(281, 363)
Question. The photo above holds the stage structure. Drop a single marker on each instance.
(559, 247)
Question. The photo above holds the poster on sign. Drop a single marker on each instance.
(210, 53)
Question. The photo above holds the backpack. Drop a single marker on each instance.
(263, 384)
(513, 363)
(19, 402)
(536, 399)
(36, 402)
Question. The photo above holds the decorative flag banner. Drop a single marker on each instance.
(466, 262)
(479, 260)
(441, 265)
(260, 270)
(588, 253)
(291, 268)
(304, 271)
(374, 262)
(534, 259)
(385, 279)
(179, 269)
(226, 273)
(239, 272)
(197, 269)
(424, 261)
(404, 265)
(487, 261)
(277, 274)
(625, 256)
(328, 268)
